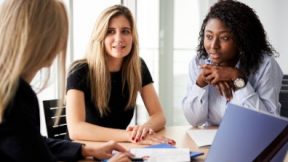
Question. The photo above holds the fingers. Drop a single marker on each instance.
(145, 132)
(117, 147)
(225, 90)
(139, 133)
(156, 139)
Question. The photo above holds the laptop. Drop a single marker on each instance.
(248, 135)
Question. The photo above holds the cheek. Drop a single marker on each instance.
(206, 44)
(106, 42)
(231, 48)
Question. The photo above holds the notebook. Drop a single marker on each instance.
(245, 135)
(193, 154)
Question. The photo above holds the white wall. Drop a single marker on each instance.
(273, 14)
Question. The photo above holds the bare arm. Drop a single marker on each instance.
(81, 130)
(157, 119)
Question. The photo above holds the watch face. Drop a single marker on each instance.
(239, 83)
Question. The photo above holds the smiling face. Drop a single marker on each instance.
(118, 40)
(219, 43)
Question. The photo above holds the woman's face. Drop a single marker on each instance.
(219, 43)
(118, 40)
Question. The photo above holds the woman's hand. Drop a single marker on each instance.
(139, 132)
(214, 74)
(104, 151)
(146, 136)
(156, 139)
(226, 89)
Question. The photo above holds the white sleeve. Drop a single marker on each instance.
(262, 90)
(195, 102)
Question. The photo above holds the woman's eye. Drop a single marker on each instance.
(126, 31)
(209, 37)
(226, 38)
(110, 32)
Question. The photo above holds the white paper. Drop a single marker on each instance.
(202, 137)
(162, 154)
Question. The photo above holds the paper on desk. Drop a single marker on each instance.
(162, 154)
(202, 137)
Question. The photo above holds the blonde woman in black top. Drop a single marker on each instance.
(103, 87)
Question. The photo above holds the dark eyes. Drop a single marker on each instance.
(221, 38)
(110, 31)
(123, 31)
(209, 37)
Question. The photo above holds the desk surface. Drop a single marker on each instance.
(178, 133)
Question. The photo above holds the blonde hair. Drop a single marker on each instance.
(32, 33)
(96, 57)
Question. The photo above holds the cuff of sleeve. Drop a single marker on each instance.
(199, 91)
(242, 94)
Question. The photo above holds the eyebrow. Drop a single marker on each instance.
(121, 28)
(221, 32)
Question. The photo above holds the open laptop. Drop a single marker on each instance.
(245, 135)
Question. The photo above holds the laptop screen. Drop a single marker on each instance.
(244, 134)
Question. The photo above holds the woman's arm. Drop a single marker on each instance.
(81, 130)
(145, 133)
(151, 101)
(195, 102)
(261, 93)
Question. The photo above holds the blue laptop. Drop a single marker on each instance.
(245, 135)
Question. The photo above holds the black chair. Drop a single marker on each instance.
(283, 96)
(58, 131)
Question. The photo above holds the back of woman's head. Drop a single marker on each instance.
(32, 33)
(247, 29)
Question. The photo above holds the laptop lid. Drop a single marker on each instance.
(244, 134)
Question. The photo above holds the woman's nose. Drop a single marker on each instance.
(215, 44)
(118, 36)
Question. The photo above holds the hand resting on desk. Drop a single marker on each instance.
(105, 152)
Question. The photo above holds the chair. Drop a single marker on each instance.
(58, 131)
(283, 96)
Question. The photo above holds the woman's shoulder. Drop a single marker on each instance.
(269, 60)
(79, 66)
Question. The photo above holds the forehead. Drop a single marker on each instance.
(215, 25)
(119, 22)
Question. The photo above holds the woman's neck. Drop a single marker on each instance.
(114, 65)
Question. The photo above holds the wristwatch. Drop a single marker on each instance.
(239, 83)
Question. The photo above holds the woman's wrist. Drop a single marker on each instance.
(86, 152)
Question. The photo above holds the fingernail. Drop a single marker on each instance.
(133, 138)
(137, 140)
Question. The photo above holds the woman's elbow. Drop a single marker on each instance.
(74, 133)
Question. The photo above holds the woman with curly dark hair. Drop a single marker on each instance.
(234, 63)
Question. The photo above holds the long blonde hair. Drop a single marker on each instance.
(96, 57)
(32, 33)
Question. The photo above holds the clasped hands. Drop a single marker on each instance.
(220, 77)
(141, 134)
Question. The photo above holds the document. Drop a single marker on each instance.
(162, 154)
(202, 137)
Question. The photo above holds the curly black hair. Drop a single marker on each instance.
(247, 30)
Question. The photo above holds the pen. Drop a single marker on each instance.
(137, 159)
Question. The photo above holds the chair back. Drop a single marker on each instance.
(58, 131)
(283, 96)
